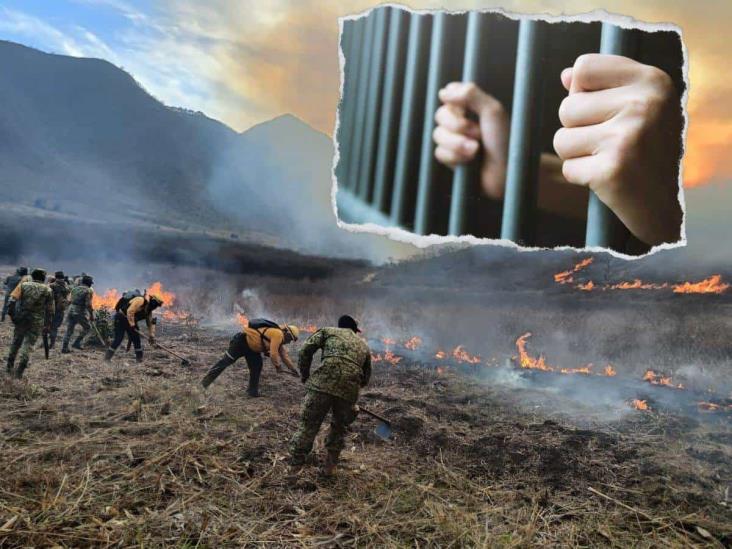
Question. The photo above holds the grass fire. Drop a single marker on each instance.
(503, 434)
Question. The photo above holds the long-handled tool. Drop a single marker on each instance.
(183, 361)
(99, 334)
(383, 428)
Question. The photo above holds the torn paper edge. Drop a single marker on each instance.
(399, 234)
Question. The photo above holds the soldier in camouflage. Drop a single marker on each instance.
(31, 308)
(81, 304)
(61, 290)
(345, 367)
(10, 282)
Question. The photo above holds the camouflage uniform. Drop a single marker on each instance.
(61, 290)
(81, 303)
(33, 313)
(345, 367)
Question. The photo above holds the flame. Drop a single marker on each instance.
(651, 377)
(708, 406)
(388, 356)
(391, 358)
(711, 285)
(567, 277)
(388, 341)
(640, 404)
(610, 371)
(440, 354)
(310, 328)
(461, 355)
(413, 342)
(526, 360)
(107, 300)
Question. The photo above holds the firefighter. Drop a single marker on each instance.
(81, 305)
(260, 337)
(31, 309)
(20, 275)
(60, 288)
(132, 308)
(345, 366)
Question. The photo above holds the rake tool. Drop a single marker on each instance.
(183, 361)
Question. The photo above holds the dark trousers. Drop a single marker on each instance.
(238, 347)
(58, 320)
(121, 328)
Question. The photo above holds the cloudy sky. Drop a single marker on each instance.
(245, 61)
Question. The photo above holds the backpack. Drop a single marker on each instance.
(124, 301)
(260, 325)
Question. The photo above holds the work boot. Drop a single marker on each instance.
(77, 344)
(65, 347)
(107, 355)
(9, 367)
(253, 394)
(138, 356)
(329, 466)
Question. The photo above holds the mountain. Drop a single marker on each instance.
(80, 138)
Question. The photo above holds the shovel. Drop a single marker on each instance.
(183, 361)
(383, 427)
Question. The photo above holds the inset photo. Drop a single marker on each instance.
(539, 132)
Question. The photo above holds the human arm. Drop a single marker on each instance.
(308, 350)
(285, 356)
(620, 138)
(366, 370)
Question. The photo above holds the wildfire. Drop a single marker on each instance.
(440, 355)
(711, 285)
(640, 404)
(310, 328)
(708, 406)
(107, 300)
(567, 277)
(413, 342)
(388, 341)
(586, 370)
(388, 356)
(168, 298)
(610, 371)
(526, 360)
(461, 355)
(656, 379)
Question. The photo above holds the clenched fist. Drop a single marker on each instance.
(621, 138)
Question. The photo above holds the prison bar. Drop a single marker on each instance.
(604, 229)
(391, 102)
(400, 60)
(519, 203)
(410, 123)
(444, 29)
(468, 175)
(356, 140)
(373, 105)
